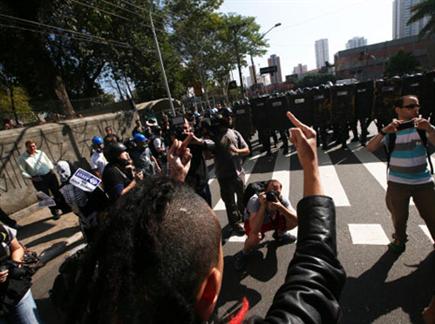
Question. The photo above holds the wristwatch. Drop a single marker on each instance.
(382, 132)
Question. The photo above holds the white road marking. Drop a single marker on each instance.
(368, 234)
(376, 167)
(282, 173)
(426, 231)
(331, 182)
(237, 239)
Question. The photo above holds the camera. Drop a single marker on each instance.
(177, 128)
(15, 272)
(406, 125)
(272, 196)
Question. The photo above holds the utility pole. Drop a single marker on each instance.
(165, 80)
(235, 29)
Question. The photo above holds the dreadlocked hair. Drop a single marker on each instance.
(159, 243)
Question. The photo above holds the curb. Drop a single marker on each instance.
(25, 212)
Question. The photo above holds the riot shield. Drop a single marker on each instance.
(427, 100)
(391, 91)
(300, 105)
(243, 119)
(342, 110)
(364, 100)
(278, 106)
(260, 113)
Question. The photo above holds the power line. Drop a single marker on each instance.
(146, 10)
(80, 38)
(62, 29)
(116, 15)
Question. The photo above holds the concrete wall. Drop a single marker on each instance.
(66, 140)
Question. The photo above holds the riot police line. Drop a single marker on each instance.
(333, 110)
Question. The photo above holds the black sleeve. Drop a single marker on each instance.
(113, 183)
(315, 277)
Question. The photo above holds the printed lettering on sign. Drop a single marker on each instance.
(319, 97)
(299, 101)
(84, 180)
(361, 90)
(342, 93)
(415, 85)
(260, 104)
(240, 111)
(277, 104)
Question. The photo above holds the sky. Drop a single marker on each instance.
(305, 21)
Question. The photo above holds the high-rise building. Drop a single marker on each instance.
(401, 15)
(277, 76)
(356, 42)
(322, 52)
(300, 70)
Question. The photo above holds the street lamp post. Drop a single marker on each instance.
(252, 59)
(235, 29)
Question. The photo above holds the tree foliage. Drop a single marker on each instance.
(98, 40)
(425, 8)
(401, 63)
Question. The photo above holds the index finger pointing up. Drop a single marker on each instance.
(294, 120)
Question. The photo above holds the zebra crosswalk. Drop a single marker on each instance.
(287, 170)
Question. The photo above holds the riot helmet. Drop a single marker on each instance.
(113, 151)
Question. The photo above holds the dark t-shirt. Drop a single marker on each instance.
(114, 181)
(197, 177)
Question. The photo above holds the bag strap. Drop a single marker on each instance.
(423, 137)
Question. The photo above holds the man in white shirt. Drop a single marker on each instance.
(98, 161)
(35, 165)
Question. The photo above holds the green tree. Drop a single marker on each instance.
(401, 63)
(426, 8)
(206, 40)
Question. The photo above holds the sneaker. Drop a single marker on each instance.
(240, 261)
(397, 247)
(238, 229)
(284, 238)
(56, 215)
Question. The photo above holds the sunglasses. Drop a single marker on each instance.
(411, 106)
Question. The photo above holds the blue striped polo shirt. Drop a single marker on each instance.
(408, 162)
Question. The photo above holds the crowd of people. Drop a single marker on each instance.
(155, 252)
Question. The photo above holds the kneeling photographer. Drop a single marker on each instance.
(266, 210)
(16, 301)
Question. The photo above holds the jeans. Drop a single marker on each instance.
(397, 198)
(48, 183)
(25, 312)
(229, 187)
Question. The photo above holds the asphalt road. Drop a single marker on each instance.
(380, 288)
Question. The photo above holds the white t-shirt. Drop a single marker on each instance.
(98, 162)
(158, 144)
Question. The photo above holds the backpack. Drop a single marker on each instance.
(389, 148)
(253, 188)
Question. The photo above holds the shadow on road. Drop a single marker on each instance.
(66, 232)
(368, 297)
(34, 228)
(232, 288)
